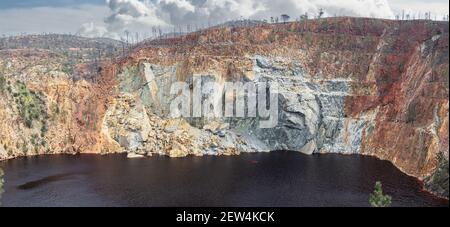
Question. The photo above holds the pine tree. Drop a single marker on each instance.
(377, 199)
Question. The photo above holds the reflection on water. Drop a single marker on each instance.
(262, 179)
(46, 180)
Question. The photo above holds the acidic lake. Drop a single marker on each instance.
(275, 179)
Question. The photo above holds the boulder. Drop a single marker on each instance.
(134, 155)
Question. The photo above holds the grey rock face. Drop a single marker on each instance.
(311, 111)
(310, 108)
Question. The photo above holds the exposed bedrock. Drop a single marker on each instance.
(310, 113)
(345, 85)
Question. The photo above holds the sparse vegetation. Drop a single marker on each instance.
(56, 42)
(54, 108)
(2, 83)
(29, 104)
(24, 149)
(377, 199)
(442, 172)
(411, 113)
(67, 68)
(438, 182)
(44, 129)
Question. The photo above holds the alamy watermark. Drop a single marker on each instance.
(226, 100)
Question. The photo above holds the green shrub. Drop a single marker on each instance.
(2, 83)
(29, 104)
(24, 149)
(377, 199)
(54, 108)
(44, 129)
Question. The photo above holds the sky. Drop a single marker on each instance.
(112, 18)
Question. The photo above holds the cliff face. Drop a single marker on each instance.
(346, 86)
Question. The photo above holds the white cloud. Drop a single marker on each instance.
(139, 15)
(118, 16)
(132, 15)
(91, 30)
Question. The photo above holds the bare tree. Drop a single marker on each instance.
(127, 34)
(285, 18)
(320, 13)
(153, 32)
(123, 45)
(304, 16)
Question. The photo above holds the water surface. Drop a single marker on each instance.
(262, 179)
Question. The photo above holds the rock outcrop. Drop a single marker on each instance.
(346, 85)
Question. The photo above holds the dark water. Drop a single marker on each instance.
(264, 179)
